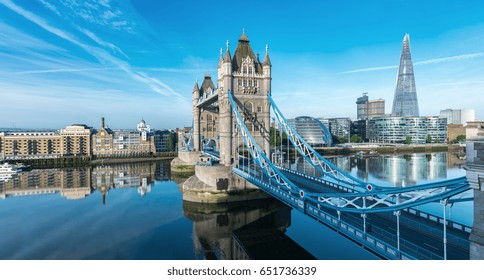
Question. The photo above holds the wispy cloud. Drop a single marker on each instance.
(65, 70)
(15, 38)
(425, 62)
(101, 42)
(450, 58)
(50, 7)
(370, 69)
(100, 54)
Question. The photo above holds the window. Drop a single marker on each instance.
(239, 82)
(250, 70)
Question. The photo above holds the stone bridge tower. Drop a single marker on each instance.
(249, 81)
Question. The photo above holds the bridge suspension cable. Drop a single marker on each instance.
(258, 155)
(362, 200)
(316, 160)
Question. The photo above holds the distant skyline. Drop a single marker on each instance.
(71, 61)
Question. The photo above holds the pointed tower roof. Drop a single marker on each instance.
(227, 53)
(267, 60)
(242, 51)
(221, 59)
(207, 83)
(196, 87)
(405, 101)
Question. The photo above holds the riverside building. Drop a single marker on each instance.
(74, 140)
(397, 129)
(312, 130)
(123, 143)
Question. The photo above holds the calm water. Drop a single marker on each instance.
(135, 211)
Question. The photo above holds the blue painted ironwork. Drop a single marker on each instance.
(187, 141)
(314, 196)
(258, 156)
(316, 160)
(363, 200)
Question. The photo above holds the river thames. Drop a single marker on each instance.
(136, 211)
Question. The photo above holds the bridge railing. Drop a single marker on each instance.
(378, 246)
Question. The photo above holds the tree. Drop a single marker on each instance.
(408, 140)
(275, 137)
(170, 142)
(429, 139)
(342, 140)
(356, 139)
(460, 138)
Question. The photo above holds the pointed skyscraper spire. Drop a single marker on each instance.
(405, 101)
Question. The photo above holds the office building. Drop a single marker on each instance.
(368, 109)
(312, 130)
(458, 116)
(405, 103)
(340, 128)
(418, 130)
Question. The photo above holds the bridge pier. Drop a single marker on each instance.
(217, 184)
(475, 175)
(185, 162)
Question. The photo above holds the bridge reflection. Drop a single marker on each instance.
(243, 230)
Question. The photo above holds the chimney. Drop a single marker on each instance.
(102, 122)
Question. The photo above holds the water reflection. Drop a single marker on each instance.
(243, 230)
(143, 221)
(77, 183)
(395, 170)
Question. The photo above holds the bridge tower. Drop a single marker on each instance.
(249, 81)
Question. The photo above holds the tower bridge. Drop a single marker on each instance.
(235, 119)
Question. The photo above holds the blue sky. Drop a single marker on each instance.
(75, 61)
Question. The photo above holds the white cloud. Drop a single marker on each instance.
(50, 6)
(425, 62)
(100, 54)
(450, 58)
(101, 42)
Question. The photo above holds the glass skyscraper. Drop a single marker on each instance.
(405, 102)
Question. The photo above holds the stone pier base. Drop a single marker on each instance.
(185, 162)
(217, 184)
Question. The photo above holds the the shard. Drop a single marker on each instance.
(405, 102)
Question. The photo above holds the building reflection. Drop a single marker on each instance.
(69, 183)
(404, 169)
(396, 169)
(119, 176)
(77, 183)
(243, 230)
